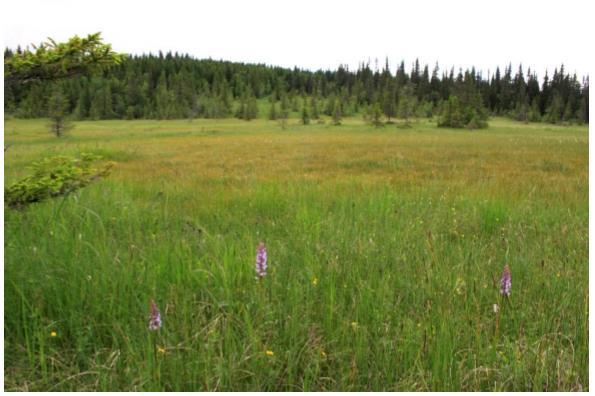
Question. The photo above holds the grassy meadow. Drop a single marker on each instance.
(385, 247)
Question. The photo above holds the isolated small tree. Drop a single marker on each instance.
(582, 113)
(330, 105)
(522, 109)
(522, 112)
(459, 113)
(568, 113)
(193, 110)
(344, 102)
(294, 104)
(376, 115)
(305, 114)
(407, 103)
(337, 113)
(57, 108)
(555, 109)
(223, 104)
(451, 115)
(284, 114)
(241, 111)
(273, 111)
(534, 113)
(284, 106)
(389, 100)
(101, 105)
(247, 108)
(425, 109)
(81, 111)
(314, 111)
(251, 108)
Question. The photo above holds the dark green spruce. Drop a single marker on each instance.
(174, 86)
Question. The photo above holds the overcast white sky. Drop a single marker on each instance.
(323, 34)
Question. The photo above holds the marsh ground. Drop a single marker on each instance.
(385, 250)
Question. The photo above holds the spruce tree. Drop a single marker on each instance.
(389, 102)
(584, 106)
(33, 104)
(305, 114)
(101, 101)
(314, 108)
(522, 110)
(164, 99)
(337, 113)
(57, 106)
(451, 114)
(242, 110)
(534, 112)
(284, 107)
(330, 105)
(273, 111)
(568, 113)
(555, 110)
(284, 113)
(425, 109)
(407, 103)
(81, 111)
(251, 108)
(522, 103)
(294, 103)
(376, 115)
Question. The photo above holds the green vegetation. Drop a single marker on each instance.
(54, 177)
(51, 60)
(59, 123)
(385, 248)
(174, 86)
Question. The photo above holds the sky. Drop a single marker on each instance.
(324, 34)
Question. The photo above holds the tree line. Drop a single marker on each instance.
(173, 86)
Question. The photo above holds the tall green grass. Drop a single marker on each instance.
(383, 283)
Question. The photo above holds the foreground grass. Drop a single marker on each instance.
(385, 249)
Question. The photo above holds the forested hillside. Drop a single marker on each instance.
(178, 86)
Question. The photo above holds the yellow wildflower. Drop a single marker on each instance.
(354, 325)
(160, 349)
(270, 353)
(314, 281)
(323, 353)
(53, 334)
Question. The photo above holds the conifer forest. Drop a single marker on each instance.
(174, 86)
